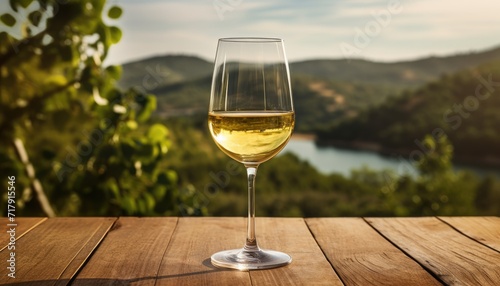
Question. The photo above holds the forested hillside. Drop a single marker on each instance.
(465, 106)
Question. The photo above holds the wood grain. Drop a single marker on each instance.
(176, 251)
(53, 252)
(187, 259)
(485, 230)
(291, 235)
(451, 256)
(131, 253)
(361, 256)
(23, 225)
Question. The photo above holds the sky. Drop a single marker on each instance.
(380, 30)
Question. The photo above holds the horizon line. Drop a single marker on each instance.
(417, 58)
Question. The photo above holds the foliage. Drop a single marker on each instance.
(76, 144)
(287, 186)
(438, 190)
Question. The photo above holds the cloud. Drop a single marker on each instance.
(166, 15)
(311, 29)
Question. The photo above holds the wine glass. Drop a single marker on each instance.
(251, 119)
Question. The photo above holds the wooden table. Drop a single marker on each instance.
(325, 251)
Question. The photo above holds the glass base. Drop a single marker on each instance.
(245, 260)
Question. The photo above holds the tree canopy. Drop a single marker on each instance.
(76, 144)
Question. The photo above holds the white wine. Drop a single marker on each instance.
(251, 137)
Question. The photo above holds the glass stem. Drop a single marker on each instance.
(251, 242)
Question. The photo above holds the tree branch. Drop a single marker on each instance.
(35, 183)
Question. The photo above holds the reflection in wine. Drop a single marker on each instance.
(251, 138)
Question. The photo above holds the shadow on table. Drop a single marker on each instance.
(104, 281)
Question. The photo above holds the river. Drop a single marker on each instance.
(336, 160)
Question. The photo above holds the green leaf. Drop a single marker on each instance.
(115, 12)
(132, 124)
(148, 108)
(8, 19)
(35, 17)
(114, 95)
(114, 72)
(157, 133)
(141, 206)
(167, 178)
(56, 80)
(104, 35)
(13, 4)
(149, 200)
(115, 33)
(159, 191)
(24, 3)
(113, 188)
(129, 204)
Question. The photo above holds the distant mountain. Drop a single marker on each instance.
(325, 90)
(164, 70)
(402, 74)
(179, 68)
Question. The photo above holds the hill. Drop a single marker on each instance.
(325, 91)
(172, 69)
(401, 74)
(159, 71)
(465, 106)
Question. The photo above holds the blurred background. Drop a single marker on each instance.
(104, 104)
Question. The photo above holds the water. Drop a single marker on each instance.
(331, 159)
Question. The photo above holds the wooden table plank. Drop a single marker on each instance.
(53, 252)
(187, 260)
(131, 253)
(176, 251)
(23, 225)
(485, 230)
(361, 256)
(291, 235)
(453, 257)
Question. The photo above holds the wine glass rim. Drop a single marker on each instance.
(251, 39)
